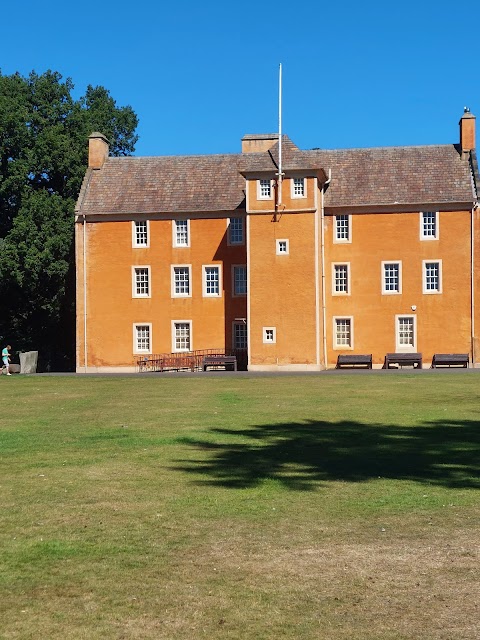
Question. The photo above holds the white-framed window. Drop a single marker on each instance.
(236, 231)
(298, 188)
(429, 225)
(239, 277)
(181, 233)
(141, 282)
(181, 286)
(142, 338)
(342, 228)
(405, 333)
(283, 247)
(181, 335)
(264, 189)
(240, 335)
(269, 335)
(140, 233)
(341, 279)
(343, 332)
(432, 276)
(212, 286)
(391, 277)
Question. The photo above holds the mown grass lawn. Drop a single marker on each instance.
(328, 506)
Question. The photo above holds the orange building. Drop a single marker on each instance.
(349, 251)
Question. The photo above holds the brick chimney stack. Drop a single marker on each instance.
(97, 150)
(467, 132)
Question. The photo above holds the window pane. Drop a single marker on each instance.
(212, 281)
(298, 187)
(240, 335)
(182, 336)
(182, 280)
(429, 224)
(341, 278)
(343, 335)
(142, 287)
(143, 337)
(432, 276)
(240, 280)
(235, 229)
(141, 233)
(342, 227)
(181, 233)
(265, 188)
(392, 277)
(405, 332)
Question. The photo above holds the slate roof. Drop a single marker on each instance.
(376, 177)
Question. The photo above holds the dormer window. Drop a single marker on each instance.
(264, 189)
(298, 188)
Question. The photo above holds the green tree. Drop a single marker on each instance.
(43, 158)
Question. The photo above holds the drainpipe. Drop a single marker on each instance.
(84, 294)
(322, 230)
(472, 282)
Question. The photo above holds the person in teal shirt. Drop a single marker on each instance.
(6, 358)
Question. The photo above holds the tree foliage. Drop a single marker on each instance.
(43, 158)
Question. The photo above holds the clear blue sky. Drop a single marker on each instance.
(200, 75)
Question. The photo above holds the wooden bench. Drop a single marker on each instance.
(450, 360)
(403, 360)
(352, 361)
(216, 361)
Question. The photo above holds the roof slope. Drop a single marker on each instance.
(166, 184)
(385, 176)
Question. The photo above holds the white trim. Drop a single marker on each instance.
(173, 292)
(437, 227)
(249, 302)
(273, 331)
(287, 246)
(204, 280)
(175, 322)
(402, 347)
(342, 347)
(136, 350)
(230, 243)
(134, 281)
(292, 188)
(386, 292)
(234, 294)
(334, 227)
(259, 189)
(135, 245)
(424, 277)
(341, 293)
(174, 233)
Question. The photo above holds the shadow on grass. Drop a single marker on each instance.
(303, 455)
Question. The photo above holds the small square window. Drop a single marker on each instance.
(269, 335)
(236, 233)
(140, 233)
(141, 282)
(283, 248)
(264, 189)
(429, 225)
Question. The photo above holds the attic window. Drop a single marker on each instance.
(264, 189)
(298, 188)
